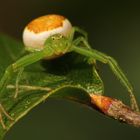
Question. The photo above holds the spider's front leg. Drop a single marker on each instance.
(83, 40)
(82, 32)
(12, 69)
(94, 54)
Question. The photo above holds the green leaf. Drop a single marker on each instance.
(68, 77)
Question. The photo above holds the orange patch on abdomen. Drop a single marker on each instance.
(46, 23)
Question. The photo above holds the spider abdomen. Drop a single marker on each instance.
(37, 31)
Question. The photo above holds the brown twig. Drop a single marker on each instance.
(116, 109)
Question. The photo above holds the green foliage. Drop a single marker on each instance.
(67, 77)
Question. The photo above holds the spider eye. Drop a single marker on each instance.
(53, 38)
(38, 30)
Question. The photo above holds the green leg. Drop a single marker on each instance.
(19, 64)
(77, 42)
(12, 69)
(91, 53)
(17, 81)
(2, 111)
(78, 30)
(81, 31)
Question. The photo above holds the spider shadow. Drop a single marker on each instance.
(64, 64)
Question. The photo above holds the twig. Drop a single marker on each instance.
(116, 109)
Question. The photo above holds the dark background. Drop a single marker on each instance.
(114, 28)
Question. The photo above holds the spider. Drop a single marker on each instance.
(52, 36)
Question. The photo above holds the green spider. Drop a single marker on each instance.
(52, 36)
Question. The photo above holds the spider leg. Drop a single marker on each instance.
(77, 42)
(1, 121)
(12, 69)
(17, 82)
(19, 64)
(2, 111)
(81, 31)
(92, 53)
(78, 30)
(81, 39)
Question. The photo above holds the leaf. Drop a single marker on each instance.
(68, 77)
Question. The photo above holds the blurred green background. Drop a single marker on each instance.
(114, 28)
